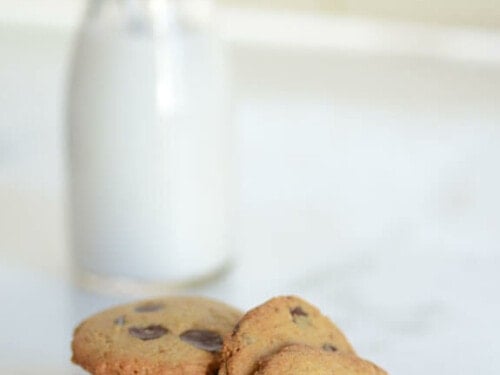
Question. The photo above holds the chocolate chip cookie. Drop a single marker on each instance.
(304, 360)
(279, 322)
(175, 335)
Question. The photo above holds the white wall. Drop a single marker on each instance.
(482, 13)
(54, 13)
(457, 12)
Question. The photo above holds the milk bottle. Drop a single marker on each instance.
(148, 142)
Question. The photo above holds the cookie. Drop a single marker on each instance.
(175, 335)
(304, 360)
(279, 322)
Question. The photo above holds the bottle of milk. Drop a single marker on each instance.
(148, 140)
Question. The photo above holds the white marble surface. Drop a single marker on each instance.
(368, 184)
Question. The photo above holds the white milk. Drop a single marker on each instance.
(148, 153)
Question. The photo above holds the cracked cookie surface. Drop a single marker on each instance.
(304, 360)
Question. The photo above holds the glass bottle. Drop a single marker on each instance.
(148, 140)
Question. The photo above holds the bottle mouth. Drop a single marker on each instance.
(145, 16)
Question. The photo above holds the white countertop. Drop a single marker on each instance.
(368, 185)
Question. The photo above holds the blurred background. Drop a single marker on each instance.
(366, 144)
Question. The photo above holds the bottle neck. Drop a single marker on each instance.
(194, 12)
(125, 15)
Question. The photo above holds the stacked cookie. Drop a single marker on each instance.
(198, 336)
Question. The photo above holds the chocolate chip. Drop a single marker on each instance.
(298, 312)
(202, 339)
(151, 332)
(329, 348)
(150, 307)
(120, 321)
